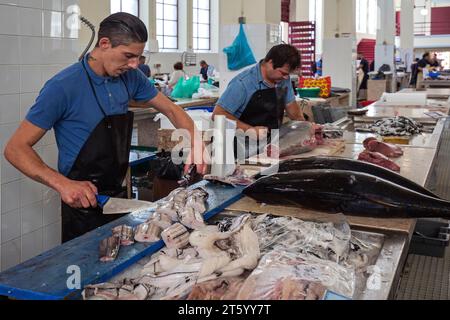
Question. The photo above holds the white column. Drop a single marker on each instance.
(385, 47)
(339, 44)
(300, 10)
(407, 32)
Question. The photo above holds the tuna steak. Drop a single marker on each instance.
(378, 159)
(389, 150)
(348, 192)
(352, 165)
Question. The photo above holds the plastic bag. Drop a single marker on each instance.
(164, 167)
(287, 276)
(239, 54)
(186, 88)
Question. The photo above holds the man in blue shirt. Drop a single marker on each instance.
(144, 67)
(258, 97)
(87, 106)
(206, 70)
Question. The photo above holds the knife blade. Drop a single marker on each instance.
(113, 206)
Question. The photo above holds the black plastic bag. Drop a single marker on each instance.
(164, 167)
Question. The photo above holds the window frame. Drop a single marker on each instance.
(163, 35)
(196, 39)
(138, 7)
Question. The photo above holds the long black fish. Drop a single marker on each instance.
(348, 192)
(334, 163)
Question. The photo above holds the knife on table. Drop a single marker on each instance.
(112, 206)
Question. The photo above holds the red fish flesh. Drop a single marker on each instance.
(378, 159)
(389, 150)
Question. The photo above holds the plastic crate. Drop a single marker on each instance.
(431, 238)
(308, 92)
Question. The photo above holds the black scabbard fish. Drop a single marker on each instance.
(348, 192)
(335, 163)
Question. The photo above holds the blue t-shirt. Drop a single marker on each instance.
(241, 89)
(67, 104)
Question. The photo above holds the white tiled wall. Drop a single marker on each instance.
(35, 44)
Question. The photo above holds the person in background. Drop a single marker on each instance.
(319, 68)
(176, 75)
(206, 70)
(372, 66)
(364, 67)
(436, 64)
(414, 70)
(144, 67)
(258, 97)
(422, 65)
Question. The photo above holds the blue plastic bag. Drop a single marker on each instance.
(239, 54)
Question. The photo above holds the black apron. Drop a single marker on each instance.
(266, 109)
(104, 161)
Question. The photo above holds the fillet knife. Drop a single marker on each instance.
(112, 206)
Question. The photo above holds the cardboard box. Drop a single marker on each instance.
(376, 88)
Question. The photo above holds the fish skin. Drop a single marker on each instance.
(352, 165)
(348, 192)
(295, 137)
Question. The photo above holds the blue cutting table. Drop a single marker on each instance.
(45, 277)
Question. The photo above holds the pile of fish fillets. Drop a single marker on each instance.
(339, 185)
(183, 209)
(211, 253)
(249, 257)
(398, 126)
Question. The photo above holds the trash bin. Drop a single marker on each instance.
(431, 238)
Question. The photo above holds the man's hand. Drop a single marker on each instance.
(200, 158)
(78, 194)
(261, 132)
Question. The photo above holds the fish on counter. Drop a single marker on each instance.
(296, 137)
(347, 192)
(238, 178)
(226, 252)
(148, 233)
(389, 150)
(184, 206)
(378, 159)
(332, 132)
(125, 291)
(398, 126)
(125, 234)
(109, 249)
(176, 237)
(288, 276)
(191, 216)
(336, 163)
(223, 289)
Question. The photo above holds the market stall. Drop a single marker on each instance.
(365, 255)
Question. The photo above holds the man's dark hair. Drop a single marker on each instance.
(142, 58)
(122, 29)
(178, 66)
(284, 54)
(203, 62)
(426, 55)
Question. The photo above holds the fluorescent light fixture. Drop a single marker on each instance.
(424, 12)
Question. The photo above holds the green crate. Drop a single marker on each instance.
(308, 92)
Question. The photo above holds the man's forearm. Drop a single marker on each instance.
(219, 111)
(295, 112)
(26, 160)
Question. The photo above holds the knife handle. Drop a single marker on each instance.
(102, 200)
